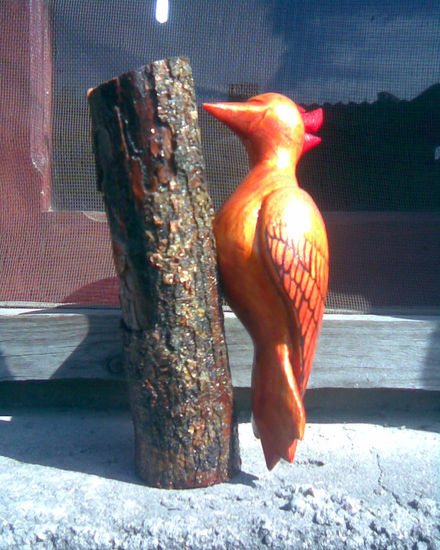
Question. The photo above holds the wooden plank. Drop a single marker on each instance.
(45, 344)
(354, 351)
(360, 351)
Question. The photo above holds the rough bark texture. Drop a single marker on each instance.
(151, 172)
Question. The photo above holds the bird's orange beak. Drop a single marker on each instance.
(312, 123)
(241, 117)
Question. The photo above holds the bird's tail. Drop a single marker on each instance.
(277, 408)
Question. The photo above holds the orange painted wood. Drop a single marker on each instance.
(273, 257)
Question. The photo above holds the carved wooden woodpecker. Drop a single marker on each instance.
(273, 258)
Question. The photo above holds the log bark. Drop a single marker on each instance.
(150, 170)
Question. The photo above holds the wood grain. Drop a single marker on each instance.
(354, 351)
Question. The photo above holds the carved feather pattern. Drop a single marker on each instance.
(302, 269)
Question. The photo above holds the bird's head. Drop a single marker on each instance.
(270, 121)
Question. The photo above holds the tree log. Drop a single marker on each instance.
(150, 170)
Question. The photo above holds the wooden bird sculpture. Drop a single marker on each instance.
(273, 259)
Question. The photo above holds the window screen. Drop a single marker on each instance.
(372, 65)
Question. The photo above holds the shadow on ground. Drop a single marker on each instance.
(39, 425)
(91, 442)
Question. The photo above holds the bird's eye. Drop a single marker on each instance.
(258, 100)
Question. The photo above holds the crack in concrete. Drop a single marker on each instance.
(382, 485)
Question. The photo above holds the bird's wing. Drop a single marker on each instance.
(294, 245)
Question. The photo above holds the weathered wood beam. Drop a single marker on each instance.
(398, 351)
(151, 172)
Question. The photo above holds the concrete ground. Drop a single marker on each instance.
(67, 481)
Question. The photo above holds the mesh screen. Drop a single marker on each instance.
(379, 58)
(373, 66)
